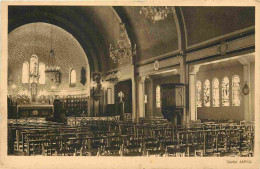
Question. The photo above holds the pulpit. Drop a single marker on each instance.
(172, 101)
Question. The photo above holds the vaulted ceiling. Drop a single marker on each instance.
(96, 27)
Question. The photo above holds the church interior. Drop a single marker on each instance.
(131, 81)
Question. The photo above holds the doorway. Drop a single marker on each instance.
(125, 88)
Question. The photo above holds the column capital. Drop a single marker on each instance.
(243, 61)
(142, 79)
(194, 69)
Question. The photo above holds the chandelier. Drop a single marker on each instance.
(53, 71)
(52, 67)
(156, 13)
(122, 52)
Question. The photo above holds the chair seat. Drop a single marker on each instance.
(75, 146)
(133, 154)
(133, 146)
(150, 140)
(99, 144)
(153, 152)
(152, 145)
(113, 148)
(175, 150)
(168, 143)
(116, 143)
(66, 151)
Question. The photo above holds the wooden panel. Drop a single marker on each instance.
(202, 53)
(164, 65)
(214, 50)
(242, 43)
(75, 105)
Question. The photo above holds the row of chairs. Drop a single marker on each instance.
(131, 139)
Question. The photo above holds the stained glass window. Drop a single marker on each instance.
(25, 72)
(199, 89)
(42, 73)
(225, 91)
(72, 76)
(158, 96)
(215, 92)
(207, 93)
(236, 90)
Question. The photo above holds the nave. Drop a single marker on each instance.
(150, 137)
(176, 81)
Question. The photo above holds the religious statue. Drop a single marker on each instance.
(34, 65)
(83, 76)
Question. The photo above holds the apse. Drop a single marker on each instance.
(39, 39)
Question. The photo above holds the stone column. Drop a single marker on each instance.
(104, 99)
(110, 94)
(112, 86)
(133, 79)
(150, 98)
(141, 93)
(89, 106)
(247, 98)
(192, 92)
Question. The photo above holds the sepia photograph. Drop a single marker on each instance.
(149, 81)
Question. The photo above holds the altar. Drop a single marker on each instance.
(35, 110)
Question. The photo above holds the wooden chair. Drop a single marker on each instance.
(114, 146)
(221, 144)
(233, 141)
(246, 144)
(175, 151)
(152, 146)
(133, 148)
(209, 142)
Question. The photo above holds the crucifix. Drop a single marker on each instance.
(121, 95)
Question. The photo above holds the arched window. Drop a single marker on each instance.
(199, 93)
(215, 92)
(225, 91)
(235, 90)
(158, 96)
(42, 73)
(207, 93)
(72, 77)
(25, 72)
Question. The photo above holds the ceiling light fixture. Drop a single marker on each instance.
(156, 13)
(122, 52)
(52, 67)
